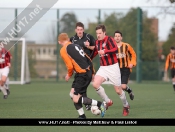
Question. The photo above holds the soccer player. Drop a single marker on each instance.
(76, 60)
(5, 57)
(109, 69)
(127, 60)
(87, 42)
(170, 63)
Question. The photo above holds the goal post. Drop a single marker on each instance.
(21, 61)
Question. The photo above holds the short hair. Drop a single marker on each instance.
(63, 37)
(117, 31)
(101, 26)
(172, 48)
(79, 24)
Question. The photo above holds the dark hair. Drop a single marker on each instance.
(101, 26)
(79, 24)
(172, 48)
(117, 31)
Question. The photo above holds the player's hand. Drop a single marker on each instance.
(101, 52)
(9, 65)
(86, 43)
(67, 78)
(130, 66)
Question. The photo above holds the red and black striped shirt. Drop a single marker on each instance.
(5, 57)
(109, 46)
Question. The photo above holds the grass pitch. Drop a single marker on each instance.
(51, 100)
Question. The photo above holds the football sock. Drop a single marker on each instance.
(7, 83)
(101, 92)
(79, 108)
(174, 85)
(3, 90)
(128, 89)
(85, 100)
(123, 99)
(96, 103)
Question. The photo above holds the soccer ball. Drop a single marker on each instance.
(95, 110)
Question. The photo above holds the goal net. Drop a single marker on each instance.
(19, 70)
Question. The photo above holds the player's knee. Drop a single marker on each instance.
(71, 95)
(2, 82)
(123, 86)
(75, 99)
(95, 85)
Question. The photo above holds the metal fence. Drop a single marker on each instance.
(146, 29)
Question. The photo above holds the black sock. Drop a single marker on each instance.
(78, 106)
(99, 104)
(174, 86)
(86, 100)
(128, 89)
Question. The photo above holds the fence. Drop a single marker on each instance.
(146, 29)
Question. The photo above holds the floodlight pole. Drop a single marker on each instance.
(16, 48)
(57, 53)
(139, 45)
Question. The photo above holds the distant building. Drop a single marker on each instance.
(45, 56)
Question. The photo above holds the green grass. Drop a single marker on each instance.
(48, 100)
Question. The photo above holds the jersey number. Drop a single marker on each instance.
(81, 52)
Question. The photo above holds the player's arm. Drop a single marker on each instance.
(113, 46)
(92, 43)
(94, 53)
(67, 62)
(133, 55)
(167, 63)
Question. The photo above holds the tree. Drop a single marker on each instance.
(67, 23)
(127, 24)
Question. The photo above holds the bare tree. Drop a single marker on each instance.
(167, 8)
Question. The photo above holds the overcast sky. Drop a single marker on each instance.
(165, 23)
(89, 3)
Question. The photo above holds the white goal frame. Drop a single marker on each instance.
(23, 57)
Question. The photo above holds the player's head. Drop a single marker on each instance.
(79, 29)
(172, 50)
(100, 31)
(63, 38)
(118, 36)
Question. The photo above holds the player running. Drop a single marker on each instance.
(127, 60)
(109, 69)
(170, 63)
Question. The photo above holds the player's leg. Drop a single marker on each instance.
(4, 75)
(98, 80)
(173, 78)
(7, 86)
(115, 79)
(125, 72)
(83, 80)
(88, 107)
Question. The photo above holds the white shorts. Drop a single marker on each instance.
(4, 71)
(111, 73)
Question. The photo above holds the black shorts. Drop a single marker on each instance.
(173, 72)
(81, 82)
(125, 72)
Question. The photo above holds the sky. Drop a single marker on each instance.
(165, 22)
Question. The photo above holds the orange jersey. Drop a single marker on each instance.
(170, 61)
(75, 59)
(126, 55)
